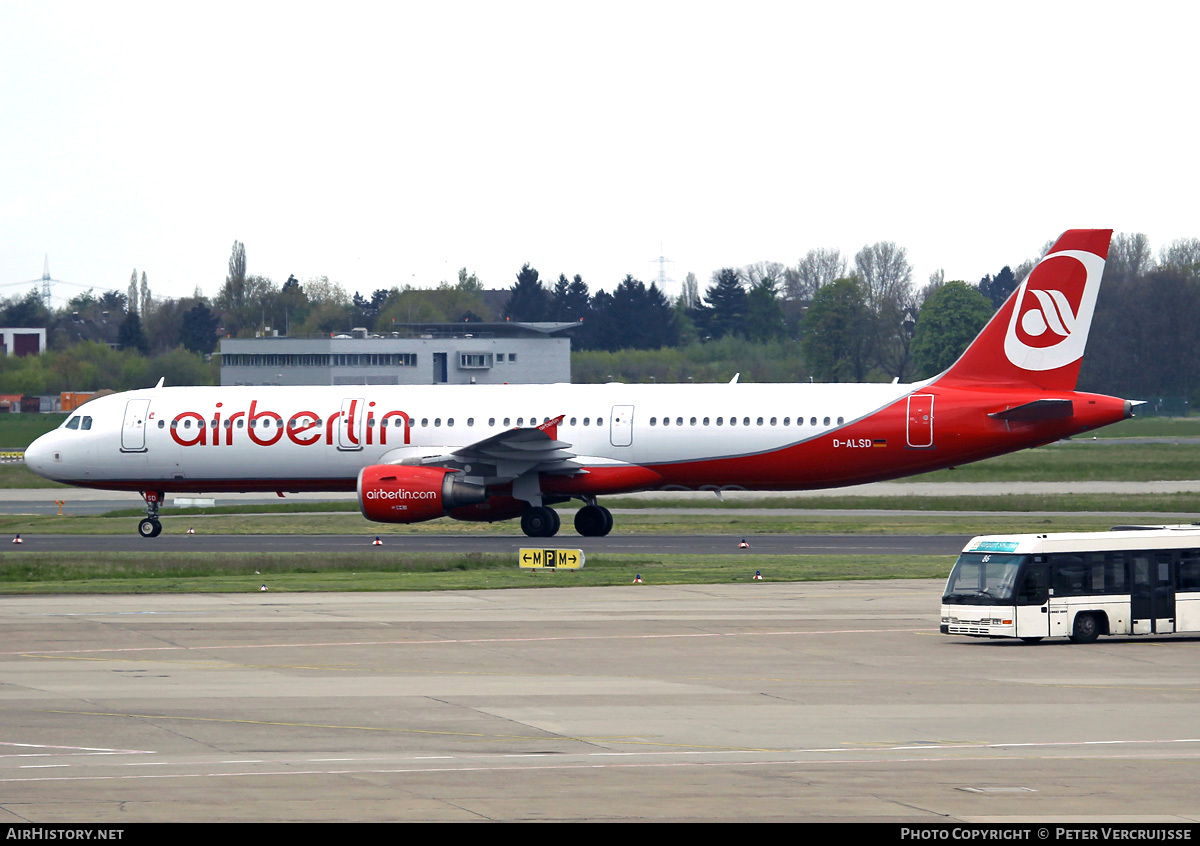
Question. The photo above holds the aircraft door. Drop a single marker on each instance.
(920, 421)
(350, 425)
(621, 430)
(133, 429)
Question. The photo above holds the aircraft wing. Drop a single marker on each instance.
(502, 457)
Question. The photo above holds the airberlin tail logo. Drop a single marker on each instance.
(1053, 311)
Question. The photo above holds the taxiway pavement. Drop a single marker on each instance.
(763, 701)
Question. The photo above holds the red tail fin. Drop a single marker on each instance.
(1038, 336)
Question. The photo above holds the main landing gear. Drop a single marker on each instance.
(541, 521)
(150, 527)
(593, 521)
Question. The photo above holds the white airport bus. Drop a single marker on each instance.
(1132, 580)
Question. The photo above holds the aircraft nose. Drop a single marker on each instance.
(38, 454)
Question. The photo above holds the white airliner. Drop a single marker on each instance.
(477, 452)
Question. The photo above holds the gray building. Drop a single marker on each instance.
(415, 354)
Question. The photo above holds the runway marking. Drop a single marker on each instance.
(54, 653)
(502, 767)
(542, 738)
(89, 750)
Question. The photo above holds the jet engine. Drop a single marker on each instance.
(389, 493)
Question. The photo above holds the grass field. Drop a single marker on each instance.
(18, 431)
(369, 571)
(734, 523)
(1074, 461)
(1152, 427)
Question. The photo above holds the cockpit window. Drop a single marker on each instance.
(87, 423)
(73, 423)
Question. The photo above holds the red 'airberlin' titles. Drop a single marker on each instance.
(303, 428)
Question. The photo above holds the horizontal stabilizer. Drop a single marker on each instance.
(1044, 409)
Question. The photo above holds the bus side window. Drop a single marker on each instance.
(1069, 575)
(1188, 573)
(1035, 586)
(1115, 573)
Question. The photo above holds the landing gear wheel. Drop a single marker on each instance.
(150, 527)
(1086, 629)
(540, 522)
(593, 521)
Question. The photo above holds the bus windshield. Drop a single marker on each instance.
(983, 578)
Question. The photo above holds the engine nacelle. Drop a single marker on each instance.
(389, 493)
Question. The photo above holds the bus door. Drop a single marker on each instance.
(1153, 596)
(1032, 597)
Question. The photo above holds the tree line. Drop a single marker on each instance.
(827, 317)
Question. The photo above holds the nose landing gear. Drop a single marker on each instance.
(150, 527)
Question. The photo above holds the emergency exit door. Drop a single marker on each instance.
(621, 431)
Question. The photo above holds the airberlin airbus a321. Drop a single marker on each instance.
(497, 452)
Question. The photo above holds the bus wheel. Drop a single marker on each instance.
(1032, 639)
(1086, 630)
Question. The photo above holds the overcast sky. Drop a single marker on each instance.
(387, 143)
